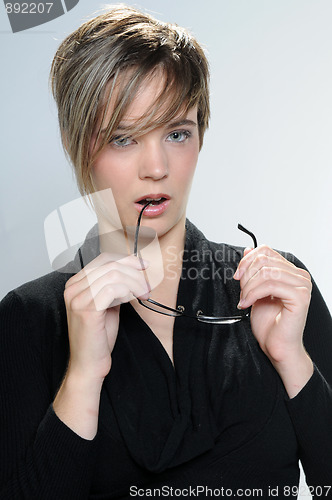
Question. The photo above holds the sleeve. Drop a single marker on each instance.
(311, 409)
(40, 457)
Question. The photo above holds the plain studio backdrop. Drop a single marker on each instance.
(266, 159)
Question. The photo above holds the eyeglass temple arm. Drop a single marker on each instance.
(248, 232)
(138, 225)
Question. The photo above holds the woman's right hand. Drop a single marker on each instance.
(93, 297)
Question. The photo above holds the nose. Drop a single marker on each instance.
(153, 161)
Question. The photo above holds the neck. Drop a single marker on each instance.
(166, 260)
(172, 246)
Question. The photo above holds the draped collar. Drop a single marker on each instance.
(168, 415)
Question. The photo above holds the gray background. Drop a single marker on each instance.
(266, 160)
(267, 157)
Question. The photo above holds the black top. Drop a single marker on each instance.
(219, 418)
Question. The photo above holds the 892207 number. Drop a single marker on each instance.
(315, 491)
(28, 8)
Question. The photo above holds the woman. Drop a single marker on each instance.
(102, 401)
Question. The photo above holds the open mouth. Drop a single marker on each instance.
(154, 201)
(155, 204)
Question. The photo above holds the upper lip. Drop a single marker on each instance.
(153, 196)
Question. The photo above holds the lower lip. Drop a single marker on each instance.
(154, 210)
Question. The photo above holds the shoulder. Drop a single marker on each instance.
(43, 291)
(33, 325)
(35, 307)
(47, 290)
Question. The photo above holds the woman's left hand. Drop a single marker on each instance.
(279, 294)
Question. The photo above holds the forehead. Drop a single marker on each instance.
(154, 102)
(144, 100)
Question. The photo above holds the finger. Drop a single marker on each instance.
(113, 272)
(109, 297)
(105, 259)
(101, 301)
(290, 295)
(274, 275)
(260, 251)
(110, 283)
(271, 266)
(246, 251)
(236, 275)
(137, 284)
(83, 279)
(250, 257)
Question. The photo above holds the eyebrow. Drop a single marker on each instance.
(179, 123)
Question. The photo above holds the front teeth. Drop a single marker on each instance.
(153, 199)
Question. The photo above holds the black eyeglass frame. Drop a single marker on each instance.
(180, 310)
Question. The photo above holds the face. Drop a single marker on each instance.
(158, 165)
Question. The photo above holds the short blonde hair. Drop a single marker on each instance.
(121, 48)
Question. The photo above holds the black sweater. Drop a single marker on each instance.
(218, 419)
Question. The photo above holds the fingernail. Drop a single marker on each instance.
(241, 304)
(240, 273)
(236, 274)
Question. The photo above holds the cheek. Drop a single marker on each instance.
(99, 167)
(100, 176)
(187, 164)
(108, 172)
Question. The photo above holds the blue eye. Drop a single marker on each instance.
(121, 142)
(179, 136)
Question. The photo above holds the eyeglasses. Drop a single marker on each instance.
(180, 310)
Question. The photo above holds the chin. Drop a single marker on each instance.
(167, 225)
